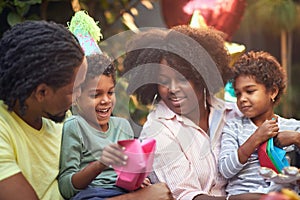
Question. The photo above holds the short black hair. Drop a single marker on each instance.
(35, 52)
(100, 64)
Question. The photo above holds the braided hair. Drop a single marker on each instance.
(35, 52)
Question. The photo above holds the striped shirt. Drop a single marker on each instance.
(244, 178)
(186, 157)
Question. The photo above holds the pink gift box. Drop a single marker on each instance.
(139, 163)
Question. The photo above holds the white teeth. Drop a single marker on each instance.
(174, 99)
(105, 110)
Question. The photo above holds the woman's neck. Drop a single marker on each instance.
(203, 122)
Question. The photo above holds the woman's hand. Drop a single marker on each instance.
(146, 183)
(286, 138)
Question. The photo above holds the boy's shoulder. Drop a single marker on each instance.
(121, 124)
(119, 120)
(116, 118)
(71, 119)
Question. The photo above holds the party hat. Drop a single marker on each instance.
(87, 32)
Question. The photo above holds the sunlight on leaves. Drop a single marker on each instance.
(147, 4)
(128, 20)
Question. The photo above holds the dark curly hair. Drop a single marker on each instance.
(144, 51)
(35, 52)
(264, 68)
(99, 64)
(169, 45)
(212, 41)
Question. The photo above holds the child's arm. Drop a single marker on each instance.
(232, 156)
(229, 146)
(111, 155)
(266, 131)
(286, 138)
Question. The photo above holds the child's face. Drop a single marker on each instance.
(253, 99)
(97, 101)
(177, 92)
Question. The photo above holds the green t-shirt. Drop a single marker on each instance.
(83, 144)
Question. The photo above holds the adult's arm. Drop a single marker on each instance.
(16, 187)
(159, 191)
(286, 138)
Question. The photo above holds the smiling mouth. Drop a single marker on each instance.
(103, 110)
(103, 113)
(176, 101)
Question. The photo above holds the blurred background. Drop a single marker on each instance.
(269, 25)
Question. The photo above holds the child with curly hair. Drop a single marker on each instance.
(259, 82)
(89, 143)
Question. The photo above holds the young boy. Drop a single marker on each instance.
(89, 140)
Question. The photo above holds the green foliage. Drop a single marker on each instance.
(21, 4)
(17, 10)
(273, 15)
(13, 18)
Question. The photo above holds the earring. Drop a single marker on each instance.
(153, 101)
(204, 94)
(273, 100)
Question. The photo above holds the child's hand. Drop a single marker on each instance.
(113, 155)
(146, 183)
(266, 131)
(286, 138)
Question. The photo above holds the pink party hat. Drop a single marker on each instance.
(87, 32)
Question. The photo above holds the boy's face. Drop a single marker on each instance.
(253, 99)
(97, 101)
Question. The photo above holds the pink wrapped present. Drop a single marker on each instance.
(139, 163)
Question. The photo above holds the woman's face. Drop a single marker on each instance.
(177, 92)
(97, 101)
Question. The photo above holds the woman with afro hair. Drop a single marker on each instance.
(179, 72)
